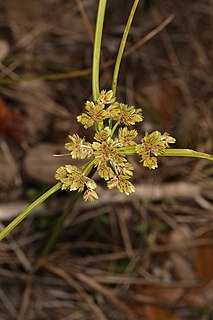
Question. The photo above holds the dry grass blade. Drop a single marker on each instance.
(26, 297)
(142, 41)
(149, 36)
(122, 214)
(74, 284)
(116, 279)
(10, 274)
(24, 261)
(85, 19)
(106, 292)
(174, 61)
(151, 192)
(190, 244)
(8, 304)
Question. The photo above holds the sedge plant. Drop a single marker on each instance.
(114, 140)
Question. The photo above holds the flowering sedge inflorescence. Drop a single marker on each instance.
(113, 142)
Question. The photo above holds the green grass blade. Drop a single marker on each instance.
(28, 210)
(122, 47)
(186, 153)
(97, 48)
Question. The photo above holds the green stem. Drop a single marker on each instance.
(130, 150)
(122, 46)
(114, 128)
(88, 166)
(97, 49)
(186, 153)
(27, 211)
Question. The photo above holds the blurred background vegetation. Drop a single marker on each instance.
(147, 256)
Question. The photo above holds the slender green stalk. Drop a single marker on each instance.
(130, 150)
(114, 128)
(46, 77)
(122, 47)
(186, 153)
(88, 166)
(27, 211)
(97, 49)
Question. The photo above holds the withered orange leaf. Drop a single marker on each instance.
(203, 257)
(12, 123)
(155, 312)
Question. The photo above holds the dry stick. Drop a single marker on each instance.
(141, 42)
(26, 297)
(106, 292)
(197, 45)
(40, 28)
(131, 280)
(24, 261)
(11, 161)
(149, 36)
(8, 70)
(22, 276)
(73, 283)
(174, 60)
(182, 245)
(159, 212)
(123, 224)
(172, 190)
(85, 19)
(8, 304)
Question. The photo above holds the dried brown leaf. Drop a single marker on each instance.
(12, 123)
(154, 312)
(203, 258)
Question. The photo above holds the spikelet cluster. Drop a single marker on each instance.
(113, 141)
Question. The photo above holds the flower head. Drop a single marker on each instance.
(126, 137)
(155, 144)
(122, 184)
(106, 97)
(95, 115)
(127, 115)
(73, 178)
(113, 141)
(90, 195)
(103, 134)
(150, 162)
(79, 149)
